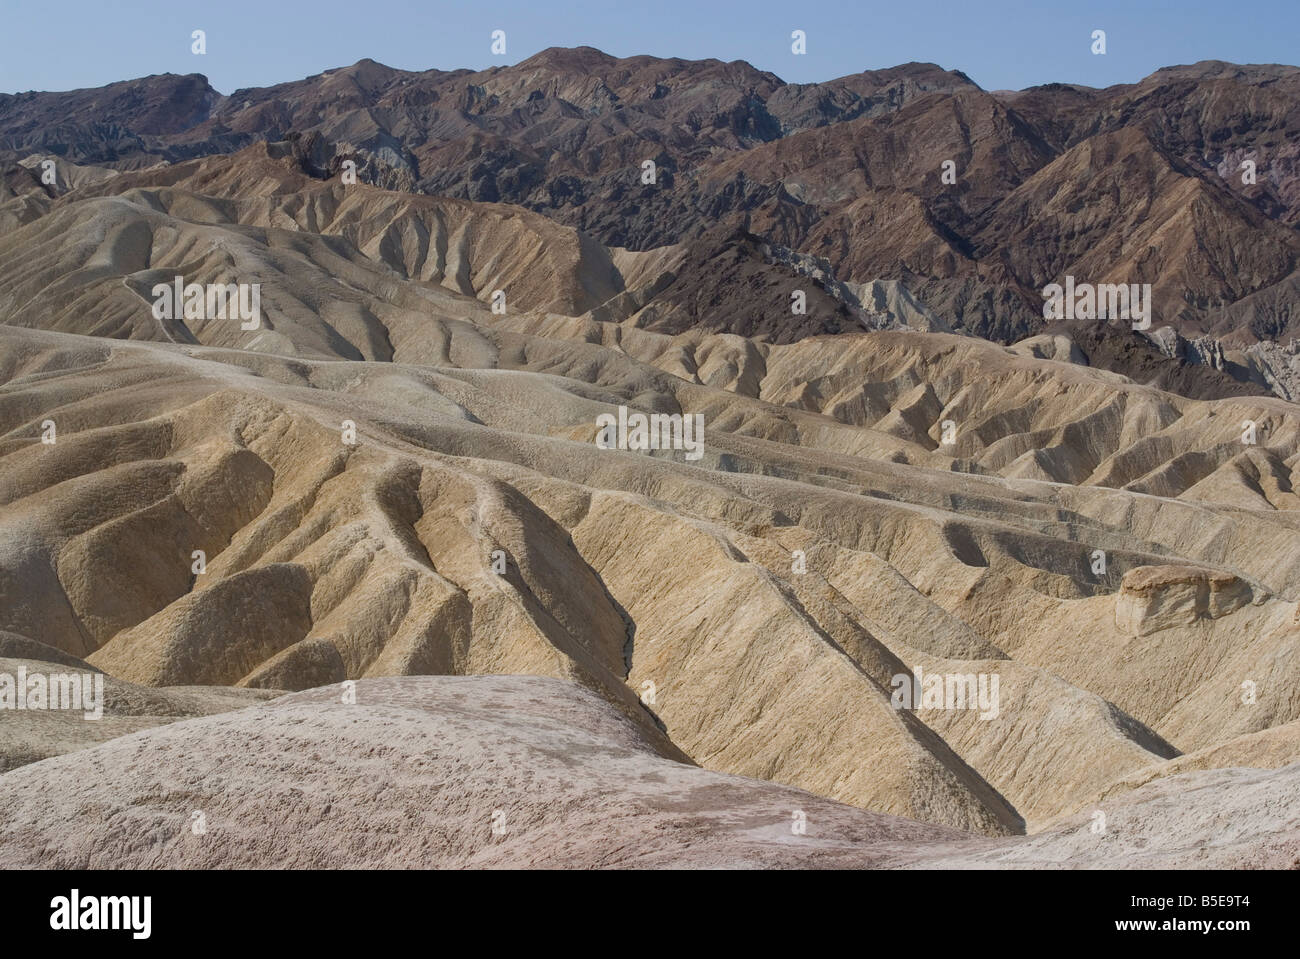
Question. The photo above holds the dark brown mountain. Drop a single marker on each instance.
(1138, 183)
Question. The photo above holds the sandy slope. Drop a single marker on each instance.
(329, 561)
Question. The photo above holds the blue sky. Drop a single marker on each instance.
(999, 43)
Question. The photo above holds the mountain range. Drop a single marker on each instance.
(846, 174)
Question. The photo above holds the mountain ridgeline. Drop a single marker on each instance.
(1139, 183)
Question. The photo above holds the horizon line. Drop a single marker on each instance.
(651, 56)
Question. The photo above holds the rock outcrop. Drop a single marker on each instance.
(1152, 598)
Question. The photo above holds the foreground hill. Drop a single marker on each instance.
(512, 771)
